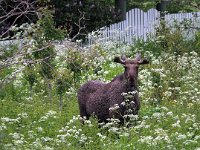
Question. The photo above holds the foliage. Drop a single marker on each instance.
(168, 88)
(144, 4)
(15, 12)
(183, 6)
(77, 19)
(75, 16)
(175, 37)
(172, 123)
(174, 6)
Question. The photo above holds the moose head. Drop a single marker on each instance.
(131, 68)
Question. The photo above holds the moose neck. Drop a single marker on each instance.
(131, 85)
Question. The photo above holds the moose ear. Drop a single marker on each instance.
(138, 57)
(119, 60)
(123, 57)
(144, 61)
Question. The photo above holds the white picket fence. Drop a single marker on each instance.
(140, 25)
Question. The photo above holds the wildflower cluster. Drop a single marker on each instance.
(169, 94)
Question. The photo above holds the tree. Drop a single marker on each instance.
(120, 9)
(36, 53)
(76, 16)
(15, 12)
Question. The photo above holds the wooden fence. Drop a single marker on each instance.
(140, 25)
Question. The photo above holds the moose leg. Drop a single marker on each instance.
(83, 112)
(117, 114)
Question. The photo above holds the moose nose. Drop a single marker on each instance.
(131, 81)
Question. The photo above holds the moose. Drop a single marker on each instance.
(96, 98)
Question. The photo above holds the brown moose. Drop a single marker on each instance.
(96, 97)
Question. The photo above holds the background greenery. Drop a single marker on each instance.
(39, 83)
(75, 17)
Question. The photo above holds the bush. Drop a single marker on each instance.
(169, 94)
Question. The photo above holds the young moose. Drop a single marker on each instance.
(95, 97)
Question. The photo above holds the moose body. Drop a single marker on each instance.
(95, 97)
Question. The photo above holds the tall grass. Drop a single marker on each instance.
(169, 117)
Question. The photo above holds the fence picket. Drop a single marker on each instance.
(138, 25)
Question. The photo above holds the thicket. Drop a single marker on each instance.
(169, 92)
(40, 63)
(39, 80)
(75, 16)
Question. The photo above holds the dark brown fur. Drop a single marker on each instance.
(95, 97)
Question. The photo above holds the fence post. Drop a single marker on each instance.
(162, 7)
(120, 10)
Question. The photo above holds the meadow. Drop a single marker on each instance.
(31, 117)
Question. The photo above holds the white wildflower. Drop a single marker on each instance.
(169, 113)
(125, 134)
(157, 115)
(181, 137)
(123, 103)
(176, 124)
(124, 94)
(146, 139)
(114, 108)
(3, 127)
(40, 129)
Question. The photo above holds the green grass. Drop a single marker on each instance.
(169, 117)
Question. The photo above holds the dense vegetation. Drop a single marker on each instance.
(74, 16)
(39, 81)
(39, 106)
